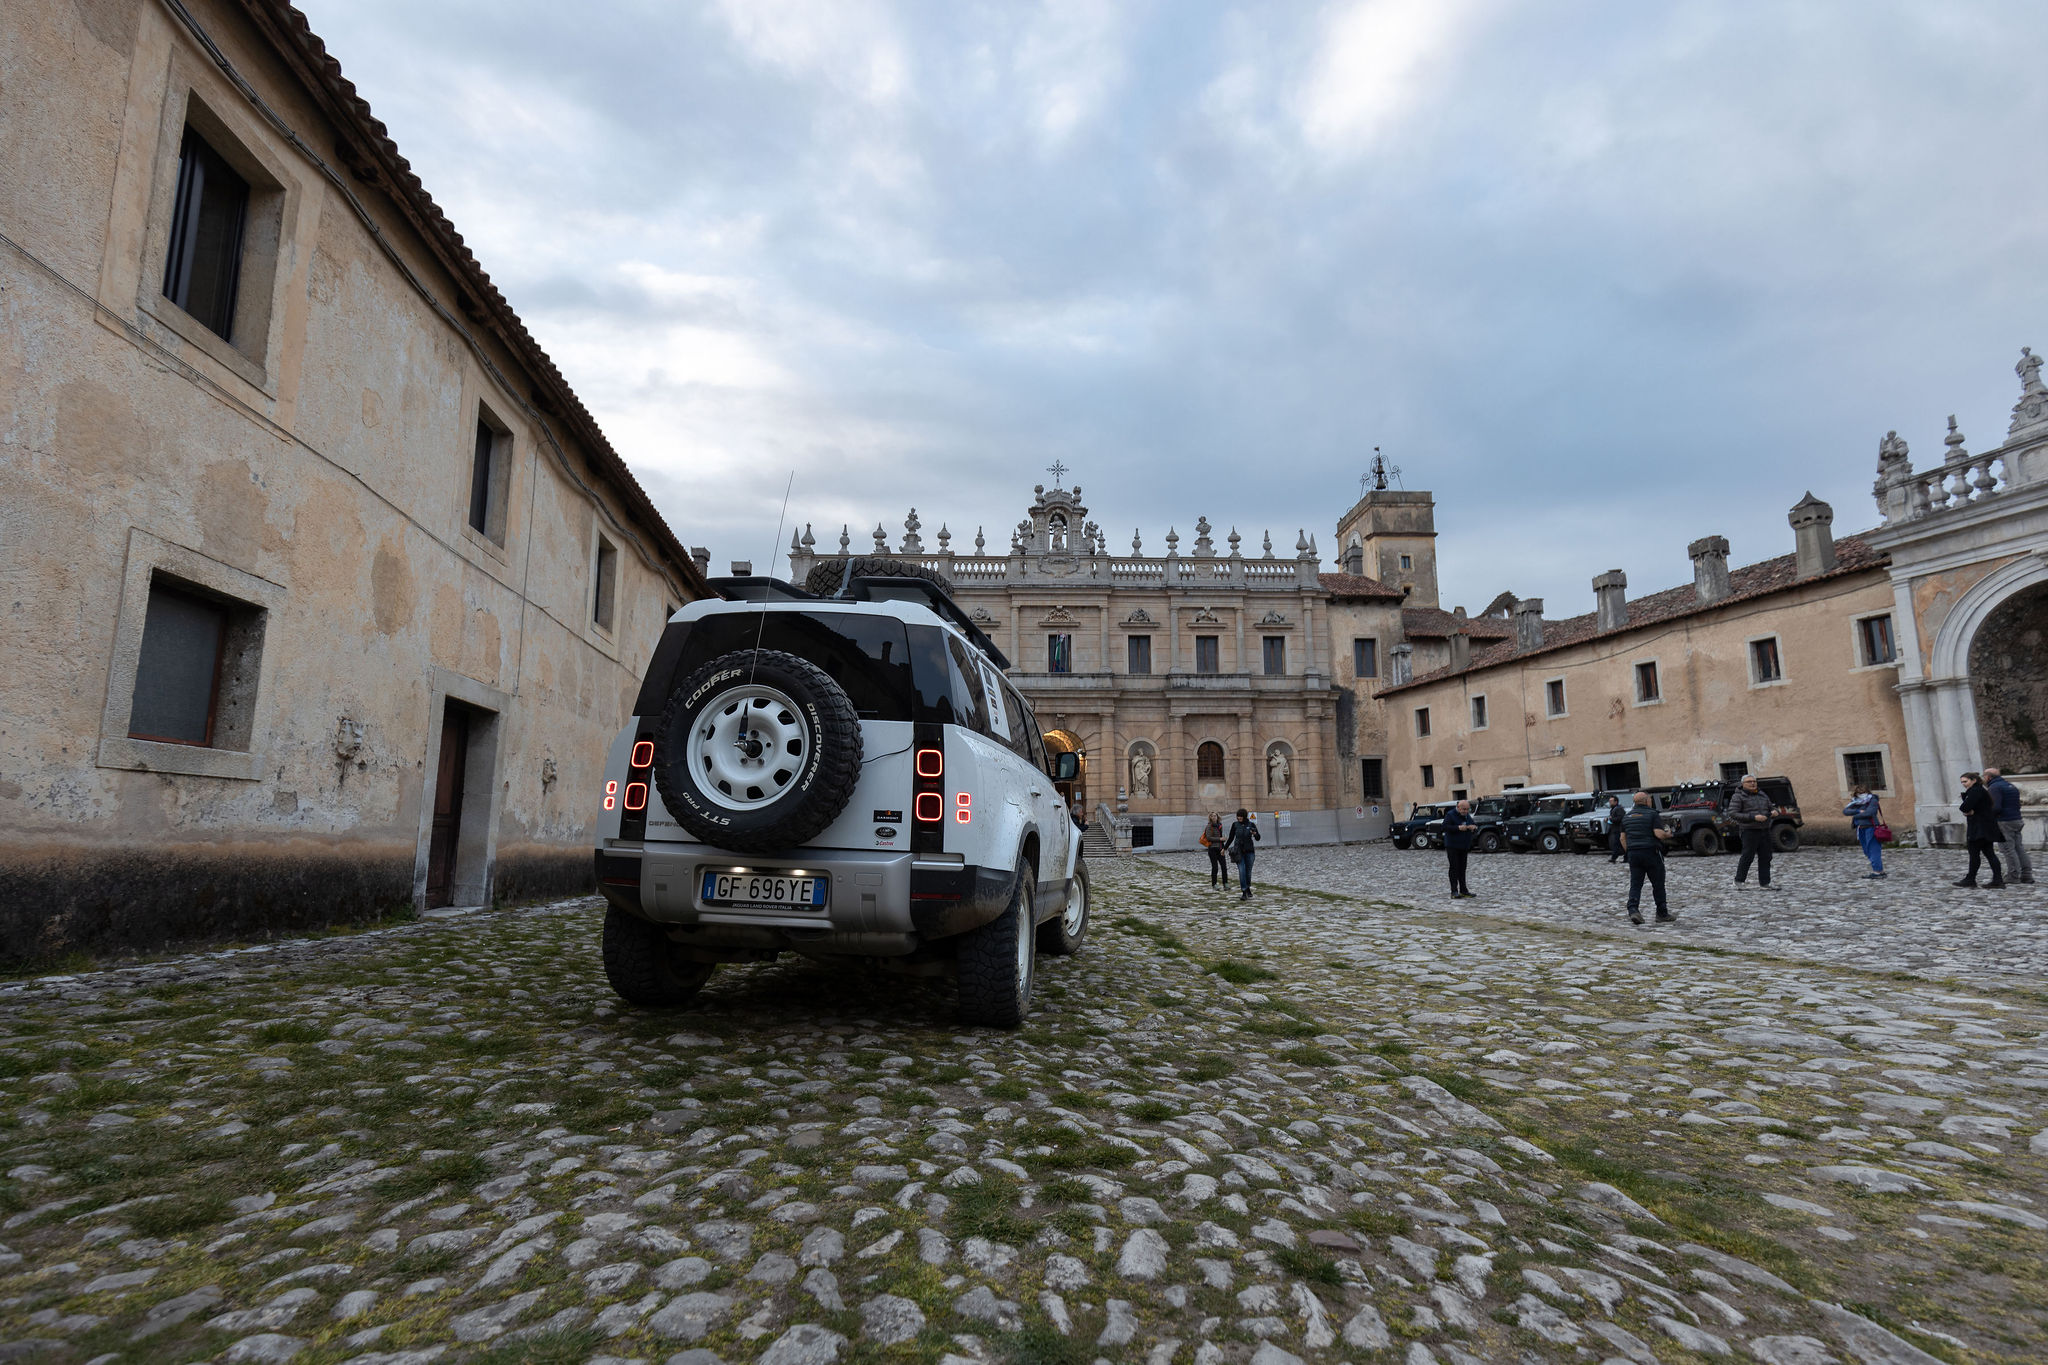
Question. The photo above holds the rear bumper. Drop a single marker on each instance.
(879, 903)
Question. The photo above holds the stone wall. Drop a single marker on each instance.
(2009, 675)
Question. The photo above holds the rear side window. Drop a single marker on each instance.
(940, 665)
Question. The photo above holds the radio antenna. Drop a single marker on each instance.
(774, 547)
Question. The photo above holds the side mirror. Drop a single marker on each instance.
(1066, 766)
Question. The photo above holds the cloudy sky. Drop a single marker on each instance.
(1605, 276)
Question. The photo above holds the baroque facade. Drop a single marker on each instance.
(329, 593)
(1201, 681)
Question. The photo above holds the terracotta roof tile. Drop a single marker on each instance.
(1358, 586)
(1432, 622)
(1747, 583)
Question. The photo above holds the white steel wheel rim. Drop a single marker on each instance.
(748, 745)
(1026, 939)
(1077, 908)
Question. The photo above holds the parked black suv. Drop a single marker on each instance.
(1493, 813)
(1698, 816)
(1588, 829)
(1416, 831)
(1542, 828)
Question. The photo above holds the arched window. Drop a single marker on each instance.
(1209, 762)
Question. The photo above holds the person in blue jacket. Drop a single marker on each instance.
(1864, 817)
(1458, 833)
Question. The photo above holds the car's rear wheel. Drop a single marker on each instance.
(1489, 841)
(1401, 843)
(1785, 838)
(998, 961)
(757, 751)
(1062, 937)
(644, 968)
(1705, 842)
(1550, 841)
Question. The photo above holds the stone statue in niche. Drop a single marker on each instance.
(1277, 769)
(1141, 773)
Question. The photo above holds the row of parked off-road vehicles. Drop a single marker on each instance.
(1553, 819)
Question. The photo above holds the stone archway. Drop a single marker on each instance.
(2008, 672)
(1074, 793)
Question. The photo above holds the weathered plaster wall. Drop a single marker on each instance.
(332, 464)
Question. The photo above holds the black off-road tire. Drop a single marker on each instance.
(1705, 843)
(1056, 937)
(1550, 841)
(992, 959)
(817, 791)
(1400, 843)
(644, 968)
(825, 577)
(1489, 841)
(1784, 838)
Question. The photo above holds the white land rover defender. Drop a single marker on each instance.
(842, 771)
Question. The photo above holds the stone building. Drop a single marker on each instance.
(1781, 667)
(1967, 543)
(1200, 681)
(326, 592)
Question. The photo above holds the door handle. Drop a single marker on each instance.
(1036, 791)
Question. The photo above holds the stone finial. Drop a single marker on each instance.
(1137, 543)
(980, 541)
(1953, 442)
(845, 540)
(1172, 543)
(1204, 547)
(810, 542)
(1300, 542)
(945, 539)
(1529, 623)
(1235, 538)
(1269, 545)
(1610, 600)
(913, 544)
(881, 539)
(1709, 556)
(1814, 541)
(796, 542)
(2032, 409)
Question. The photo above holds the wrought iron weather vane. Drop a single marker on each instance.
(1058, 472)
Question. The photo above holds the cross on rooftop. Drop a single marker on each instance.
(1058, 472)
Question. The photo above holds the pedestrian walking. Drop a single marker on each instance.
(1212, 839)
(1614, 818)
(1458, 832)
(1642, 840)
(2007, 799)
(1751, 812)
(1242, 841)
(1866, 817)
(1981, 832)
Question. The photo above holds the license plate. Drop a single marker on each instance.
(760, 889)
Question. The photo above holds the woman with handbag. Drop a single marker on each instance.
(1866, 817)
(1212, 839)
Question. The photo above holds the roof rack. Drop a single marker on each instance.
(880, 588)
(759, 588)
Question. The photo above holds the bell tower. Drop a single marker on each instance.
(1396, 532)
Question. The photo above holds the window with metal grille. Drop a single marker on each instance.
(1208, 656)
(1140, 650)
(1647, 688)
(177, 678)
(604, 602)
(1209, 761)
(1275, 655)
(1372, 778)
(1428, 775)
(1734, 772)
(1421, 721)
(1365, 658)
(1764, 663)
(1059, 654)
(1865, 769)
(1879, 647)
(1553, 696)
(204, 266)
(1479, 713)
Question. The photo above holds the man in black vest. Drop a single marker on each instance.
(1642, 836)
(1458, 831)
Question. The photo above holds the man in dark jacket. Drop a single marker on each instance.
(2006, 797)
(1457, 833)
(1242, 843)
(1615, 815)
(1751, 812)
(1642, 836)
(1981, 832)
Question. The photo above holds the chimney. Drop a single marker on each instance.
(1461, 643)
(1403, 663)
(1354, 558)
(1529, 623)
(1709, 568)
(743, 568)
(1811, 519)
(1610, 600)
(702, 558)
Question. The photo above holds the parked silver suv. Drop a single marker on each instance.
(843, 771)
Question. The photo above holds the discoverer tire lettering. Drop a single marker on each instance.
(785, 791)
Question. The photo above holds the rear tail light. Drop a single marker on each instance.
(931, 807)
(963, 807)
(930, 763)
(636, 796)
(611, 796)
(643, 753)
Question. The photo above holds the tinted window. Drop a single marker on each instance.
(968, 702)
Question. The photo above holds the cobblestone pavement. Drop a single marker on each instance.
(1820, 908)
(1304, 1130)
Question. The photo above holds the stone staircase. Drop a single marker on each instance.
(1097, 843)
